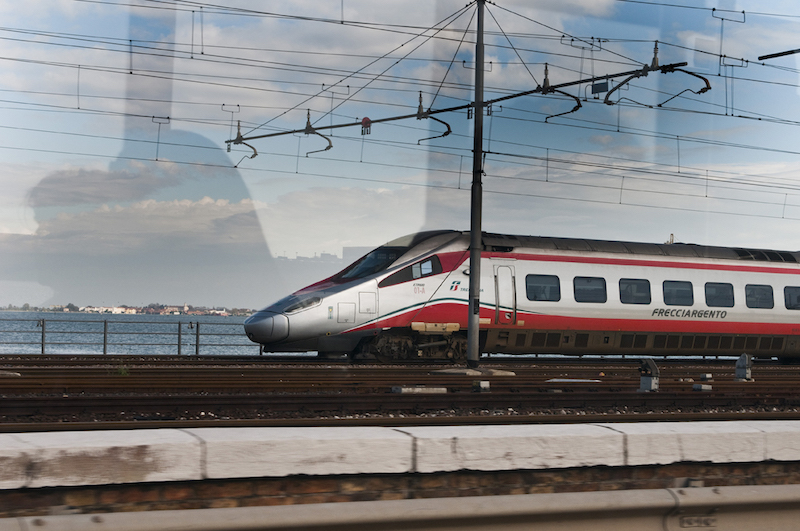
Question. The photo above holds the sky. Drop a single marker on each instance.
(118, 186)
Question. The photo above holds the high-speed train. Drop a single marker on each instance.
(408, 299)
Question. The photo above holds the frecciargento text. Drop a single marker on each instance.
(689, 314)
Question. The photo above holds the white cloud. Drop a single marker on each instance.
(326, 219)
(80, 186)
(146, 226)
(18, 293)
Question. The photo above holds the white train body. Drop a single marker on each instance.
(408, 299)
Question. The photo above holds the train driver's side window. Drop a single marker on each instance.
(791, 295)
(678, 293)
(543, 288)
(426, 268)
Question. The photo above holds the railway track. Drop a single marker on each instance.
(66, 360)
(142, 391)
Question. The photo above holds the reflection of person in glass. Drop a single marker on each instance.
(188, 205)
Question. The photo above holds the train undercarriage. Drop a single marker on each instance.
(411, 345)
(405, 344)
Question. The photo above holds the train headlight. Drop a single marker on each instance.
(266, 327)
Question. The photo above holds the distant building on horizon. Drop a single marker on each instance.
(351, 254)
(108, 309)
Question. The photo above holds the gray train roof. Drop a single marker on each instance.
(509, 242)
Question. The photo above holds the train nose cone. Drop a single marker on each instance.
(266, 327)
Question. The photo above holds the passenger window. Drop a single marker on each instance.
(759, 296)
(791, 296)
(426, 268)
(719, 295)
(678, 293)
(634, 291)
(590, 289)
(543, 288)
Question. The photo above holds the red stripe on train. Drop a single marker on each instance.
(457, 313)
(644, 263)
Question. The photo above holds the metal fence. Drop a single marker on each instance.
(109, 336)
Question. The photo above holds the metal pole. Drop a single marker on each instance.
(180, 340)
(105, 337)
(779, 54)
(43, 338)
(197, 339)
(476, 245)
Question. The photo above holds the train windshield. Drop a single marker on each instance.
(376, 261)
(382, 257)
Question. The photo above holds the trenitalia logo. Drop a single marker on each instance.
(454, 285)
(690, 314)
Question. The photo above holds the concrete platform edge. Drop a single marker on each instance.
(30, 460)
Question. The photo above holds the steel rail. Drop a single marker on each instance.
(346, 379)
(264, 381)
(274, 405)
(396, 421)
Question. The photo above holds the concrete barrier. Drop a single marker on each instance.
(255, 452)
(446, 448)
(48, 459)
(142, 456)
(713, 442)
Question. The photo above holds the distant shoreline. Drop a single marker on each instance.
(131, 310)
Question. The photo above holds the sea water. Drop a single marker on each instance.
(140, 334)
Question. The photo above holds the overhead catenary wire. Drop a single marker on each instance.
(630, 133)
(150, 48)
(653, 135)
(359, 70)
(704, 8)
(518, 193)
(574, 168)
(702, 140)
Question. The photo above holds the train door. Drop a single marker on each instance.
(505, 295)
(367, 302)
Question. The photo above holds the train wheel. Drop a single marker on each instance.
(388, 348)
(457, 349)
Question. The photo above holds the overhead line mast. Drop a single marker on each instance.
(476, 206)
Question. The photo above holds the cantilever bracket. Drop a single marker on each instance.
(240, 140)
(667, 70)
(547, 89)
(664, 70)
(701, 91)
(311, 131)
(577, 104)
(654, 66)
(627, 80)
(437, 136)
(423, 114)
